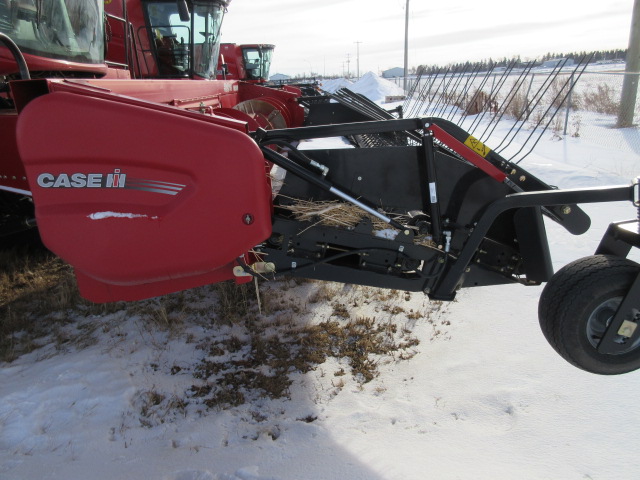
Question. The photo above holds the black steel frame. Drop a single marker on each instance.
(557, 203)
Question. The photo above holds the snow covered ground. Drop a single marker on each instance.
(484, 397)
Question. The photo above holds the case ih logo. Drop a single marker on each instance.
(107, 180)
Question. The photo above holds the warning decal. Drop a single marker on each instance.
(477, 146)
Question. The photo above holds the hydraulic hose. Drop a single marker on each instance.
(17, 54)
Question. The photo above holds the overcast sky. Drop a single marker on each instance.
(321, 35)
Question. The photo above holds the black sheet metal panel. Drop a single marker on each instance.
(395, 179)
(329, 113)
(534, 248)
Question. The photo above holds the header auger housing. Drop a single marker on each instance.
(151, 186)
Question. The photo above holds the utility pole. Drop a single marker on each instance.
(631, 73)
(358, 58)
(348, 66)
(406, 45)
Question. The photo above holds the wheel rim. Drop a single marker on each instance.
(600, 319)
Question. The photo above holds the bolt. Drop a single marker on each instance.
(247, 218)
(522, 178)
(566, 209)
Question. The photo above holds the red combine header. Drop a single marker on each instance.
(149, 175)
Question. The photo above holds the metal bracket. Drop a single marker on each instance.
(624, 324)
(255, 269)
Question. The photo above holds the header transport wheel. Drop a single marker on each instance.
(578, 305)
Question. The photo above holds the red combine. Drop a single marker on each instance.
(250, 63)
(149, 176)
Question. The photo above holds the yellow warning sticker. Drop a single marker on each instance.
(477, 146)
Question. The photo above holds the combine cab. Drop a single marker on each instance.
(149, 186)
(250, 63)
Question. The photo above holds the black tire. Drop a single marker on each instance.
(577, 303)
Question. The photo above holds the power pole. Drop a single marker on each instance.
(348, 66)
(406, 45)
(631, 73)
(358, 58)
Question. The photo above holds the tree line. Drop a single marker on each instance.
(489, 63)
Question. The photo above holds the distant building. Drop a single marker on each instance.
(554, 62)
(393, 72)
(279, 77)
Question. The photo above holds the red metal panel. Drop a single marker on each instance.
(12, 174)
(132, 196)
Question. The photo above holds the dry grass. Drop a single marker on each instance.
(33, 286)
(340, 214)
(264, 362)
(334, 213)
(244, 354)
(605, 99)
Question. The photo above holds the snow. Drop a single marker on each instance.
(336, 84)
(104, 215)
(485, 396)
(370, 85)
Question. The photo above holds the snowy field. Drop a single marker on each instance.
(484, 396)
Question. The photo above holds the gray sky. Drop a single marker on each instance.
(321, 35)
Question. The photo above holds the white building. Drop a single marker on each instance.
(554, 62)
(279, 77)
(393, 72)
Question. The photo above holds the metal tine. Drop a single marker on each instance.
(435, 94)
(569, 80)
(439, 93)
(363, 105)
(501, 108)
(530, 107)
(496, 87)
(415, 96)
(470, 79)
(442, 98)
(413, 89)
(424, 91)
(478, 90)
(511, 95)
(428, 95)
(458, 79)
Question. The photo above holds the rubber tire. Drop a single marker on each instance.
(568, 300)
